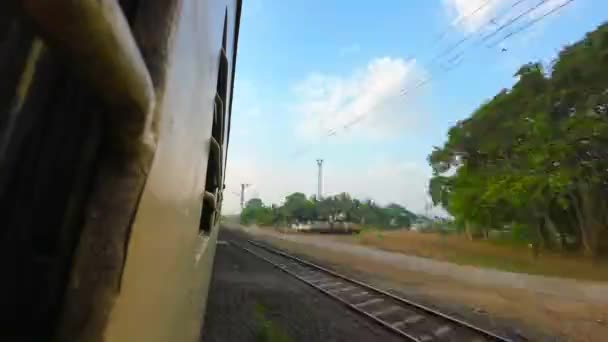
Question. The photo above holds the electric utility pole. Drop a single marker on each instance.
(243, 187)
(320, 180)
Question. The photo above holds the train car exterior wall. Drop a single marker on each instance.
(169, 261)
(114, 126)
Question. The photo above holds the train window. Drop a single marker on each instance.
(218, 118)
(213, 192)
(225, 30)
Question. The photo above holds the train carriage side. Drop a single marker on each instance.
(114, 126)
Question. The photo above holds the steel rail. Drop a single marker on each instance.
(349, 305)
(408, 303)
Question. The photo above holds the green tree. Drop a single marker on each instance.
(256, 212)
(298, 207)
(398, 216)
(342, 207)
(535, 155)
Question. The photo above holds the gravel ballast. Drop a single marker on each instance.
(249, 300)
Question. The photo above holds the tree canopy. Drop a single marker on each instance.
(535, 155)
(342, 207)
(256, 212)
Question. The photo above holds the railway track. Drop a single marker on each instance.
(412, 321)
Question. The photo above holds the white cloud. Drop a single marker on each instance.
(370, 96)
(470, 15)
(372, 91)
(473, 15)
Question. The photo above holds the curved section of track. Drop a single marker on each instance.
(412, 321)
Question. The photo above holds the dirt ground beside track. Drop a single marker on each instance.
(459, 250)
(512, 312)
(249, 300)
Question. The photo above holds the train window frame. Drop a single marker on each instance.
(212, 194)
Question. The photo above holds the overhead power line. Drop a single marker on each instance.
(453, 46)
(531, 23)
(357, 119)
(455, 57)
(492, 21)
(452, 65)
(517, 3)
(463, 18)
(513, 20)
(500, 28)
(456, 60)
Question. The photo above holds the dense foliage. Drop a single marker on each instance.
(535, 156)
(298, 208)
(256, 212)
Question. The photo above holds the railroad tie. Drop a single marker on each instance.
(318, 280)
(442, 331)
(386, 311)
(398, 324)
(410, 320)
(311, 277)
(305, 277)
(344, 289)
(366, 299)
(326, 285)
(308, 272)
(360, 294)
(425, 338)
(369, 302)
(414, 319)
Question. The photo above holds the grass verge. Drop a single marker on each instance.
(267, 330)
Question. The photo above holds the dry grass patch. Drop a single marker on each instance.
(458, 249)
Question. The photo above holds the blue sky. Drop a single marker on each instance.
(308, 68)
